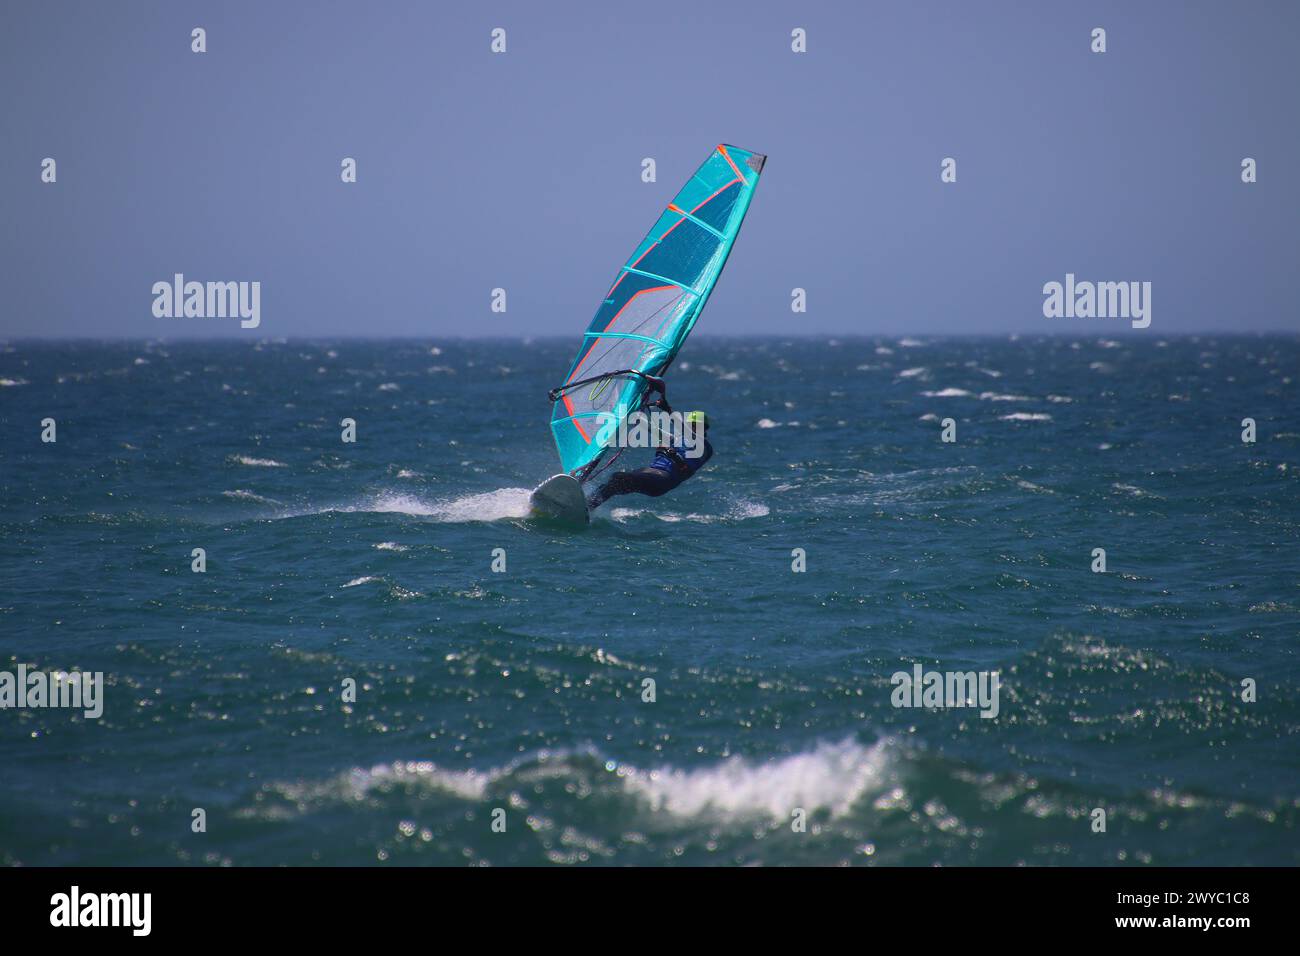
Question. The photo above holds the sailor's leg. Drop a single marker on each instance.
(654, 482)
(645, 481)
(616, 485)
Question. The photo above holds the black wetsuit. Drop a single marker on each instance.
(671, 466)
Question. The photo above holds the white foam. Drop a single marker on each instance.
(947, 393)
(1030, 486)
(257, 462)
(486, 506)
(748, 509)
(358, 784)
(739, 511)
(831, 776)
(242, 494)
(995, 397)
(1133, 490)
(1026, 417)
(723, 374)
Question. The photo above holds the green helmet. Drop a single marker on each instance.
(697, 418)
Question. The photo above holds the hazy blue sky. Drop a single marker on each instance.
(522, 170)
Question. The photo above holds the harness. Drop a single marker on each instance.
(678, 461)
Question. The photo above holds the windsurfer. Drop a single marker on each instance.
(672, 463)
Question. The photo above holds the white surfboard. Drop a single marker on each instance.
(560, 498)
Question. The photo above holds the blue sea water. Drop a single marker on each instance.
(523, 691)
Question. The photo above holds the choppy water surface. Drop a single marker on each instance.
(523, 690)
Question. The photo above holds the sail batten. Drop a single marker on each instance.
(653, 304)
(659, 278)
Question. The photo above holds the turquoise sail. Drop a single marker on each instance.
(652, 306)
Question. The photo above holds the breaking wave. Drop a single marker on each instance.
(830, 778)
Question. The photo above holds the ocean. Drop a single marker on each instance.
(662, 687)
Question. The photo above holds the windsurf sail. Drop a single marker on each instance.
(651, 307)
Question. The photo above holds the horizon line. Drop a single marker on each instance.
(564, 337)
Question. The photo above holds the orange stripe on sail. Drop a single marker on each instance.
(721, 189)
(734, 168)
(576, 424)
(670, 228)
